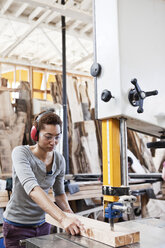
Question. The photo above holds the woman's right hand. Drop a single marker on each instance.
(72, 225)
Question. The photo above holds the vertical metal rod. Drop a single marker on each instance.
(123, 154)
(65, 119)
(95, 57)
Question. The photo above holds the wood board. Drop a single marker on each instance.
(101, 232)
(85, 157)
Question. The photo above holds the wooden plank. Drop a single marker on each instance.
(3, 193)
(86, 192)
(94, 191)
(137, 145)
(84, 183)
(101, 232)
(78, 197)
(163, 188)
(85, 158)
(5, 175)
(3, 198)
(90, 187)
(156, 208)
(8, 89)
(140, 186)
(74, 100)
(3, 204)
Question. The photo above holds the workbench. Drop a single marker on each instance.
(152, 235)
(89, 190)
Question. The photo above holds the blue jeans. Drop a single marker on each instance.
(13, 234)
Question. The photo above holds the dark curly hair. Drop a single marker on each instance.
(47, 117)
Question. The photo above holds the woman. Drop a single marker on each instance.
(35, 169)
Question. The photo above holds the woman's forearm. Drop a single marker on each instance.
(71, 224)
(62, 203)
(41, 198)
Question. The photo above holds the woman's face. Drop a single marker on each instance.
(49, 137)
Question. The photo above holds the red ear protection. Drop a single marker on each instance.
(34, 131)
(34, 134)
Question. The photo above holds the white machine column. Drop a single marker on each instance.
(129, 46)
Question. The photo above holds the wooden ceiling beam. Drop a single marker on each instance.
(8, 50)
(85, 4)
(86, 28)
(52, 43)
(61, 9)
(74, 65)
(51, 67)
(82, 46)
(35, 13)
(6, 6)
(51, 17)
(52, 27)
(21, 10)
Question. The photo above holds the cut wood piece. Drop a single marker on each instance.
(85, 101)
(80, 107)
(156, 208)
(137, 144)
(163, 188)
(26, 100)
(90, 187)
(79, 195)
(85, 196)
(5, 152)
(6, 110)
(85, 158)
(3, 204)
(3, 198)
(100, 231)
(12, 127)
(74, 100)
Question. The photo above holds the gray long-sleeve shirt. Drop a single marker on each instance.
(28, 172)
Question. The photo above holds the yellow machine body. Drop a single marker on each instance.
(111, 156)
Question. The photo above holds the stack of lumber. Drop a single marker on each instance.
(3, 198)
(85, 158)
(12, 127)
(163, 189)
(84, 132)
(156, 208)
(86, 190)
(137, 144)
(24, 104)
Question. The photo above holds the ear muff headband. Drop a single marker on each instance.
(34, 129)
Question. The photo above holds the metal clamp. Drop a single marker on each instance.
(115, 191)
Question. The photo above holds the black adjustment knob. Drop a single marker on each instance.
(106, 96)
(95, 69)
(136, 96)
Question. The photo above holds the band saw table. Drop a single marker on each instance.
(151, 235)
